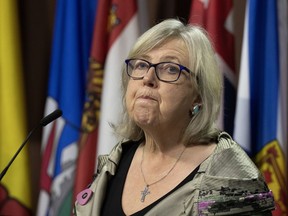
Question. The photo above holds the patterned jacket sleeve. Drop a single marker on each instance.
(232, 184)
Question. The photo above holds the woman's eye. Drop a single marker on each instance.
(170, 68)
(173, 70)
(141, 65)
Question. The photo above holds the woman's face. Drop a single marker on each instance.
(151, 102)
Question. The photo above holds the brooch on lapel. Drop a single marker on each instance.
(84, 196)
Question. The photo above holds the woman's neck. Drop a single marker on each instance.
(162, 144)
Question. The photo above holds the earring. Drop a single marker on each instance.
(196, 109)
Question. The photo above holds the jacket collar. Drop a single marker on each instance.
(112, 160)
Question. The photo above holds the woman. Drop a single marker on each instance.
(174, 160)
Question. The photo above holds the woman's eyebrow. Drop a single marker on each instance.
(164, 58)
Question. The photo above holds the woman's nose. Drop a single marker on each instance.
(150, 78)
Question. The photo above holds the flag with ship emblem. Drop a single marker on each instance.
(216, 17)
(261, 112)
(115, 31)
(67, 79)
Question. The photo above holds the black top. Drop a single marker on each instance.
(113, 201)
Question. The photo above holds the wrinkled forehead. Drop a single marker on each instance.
(172, 51)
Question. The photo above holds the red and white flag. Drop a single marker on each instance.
(216, 17)
(116, 29)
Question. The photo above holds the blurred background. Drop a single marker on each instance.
(65, 54)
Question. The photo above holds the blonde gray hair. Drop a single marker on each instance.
(206, 79)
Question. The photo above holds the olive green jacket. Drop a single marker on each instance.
(227, 183)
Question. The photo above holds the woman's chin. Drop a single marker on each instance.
(143, 121)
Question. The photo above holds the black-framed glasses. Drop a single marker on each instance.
(165, 71)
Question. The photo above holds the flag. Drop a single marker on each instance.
(216, 17)
(116, 29)
(261, 112)
(15, 194)
(66, 90)
(124, 30)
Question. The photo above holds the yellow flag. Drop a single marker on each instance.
(15, 185)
